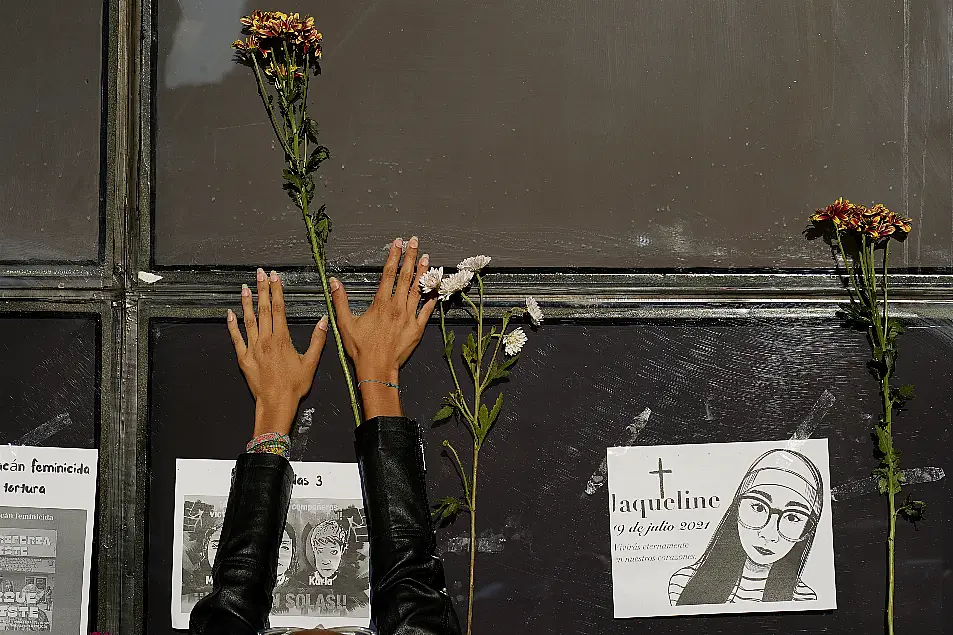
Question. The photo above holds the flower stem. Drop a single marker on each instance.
(317, 251)
(453, 372)
(496, 350)
(463, 473)
(891, 464)
(263, 93)
(473, 535)
(477, 442)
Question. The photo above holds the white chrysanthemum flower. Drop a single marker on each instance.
(513, 341)
(535, 313)
(430, 281)
(474, 263)
(455, 282)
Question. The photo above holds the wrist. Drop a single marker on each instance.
(389, 374)
(380, 400)
(274, 417)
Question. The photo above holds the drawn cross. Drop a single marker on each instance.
(661, 478)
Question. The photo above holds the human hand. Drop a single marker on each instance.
(383, 337)
(277, 375)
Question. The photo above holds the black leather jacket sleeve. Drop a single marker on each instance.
(408, 594)
(244, 572)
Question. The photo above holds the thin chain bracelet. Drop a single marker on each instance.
(377, 381)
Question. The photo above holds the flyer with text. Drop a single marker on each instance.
(323, 567)
(47, 509)
(721, 528)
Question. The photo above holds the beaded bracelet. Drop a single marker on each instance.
(270, 443)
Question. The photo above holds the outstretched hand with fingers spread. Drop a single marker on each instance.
(277, 374)
(381, 339)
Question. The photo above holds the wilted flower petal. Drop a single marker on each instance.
(474, 263)
(455, 282)
(430, 281)
(535, 313)
(513, 341)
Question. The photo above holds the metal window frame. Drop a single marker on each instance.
(126, 308)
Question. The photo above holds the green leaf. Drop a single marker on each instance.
(448, 344)
(470, 352)
(912, 510)
(447, 509)
(291, 177)
(499, 370)
(318, 156)
(321, 222)
(444, 413)
(496, 410)
(883, 440)
(487, 337)
(294, 193)
(311, 130)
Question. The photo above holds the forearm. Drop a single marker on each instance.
(408, 593)
(243, 575)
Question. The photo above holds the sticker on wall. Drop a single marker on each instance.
(721, 528)
(47, 509)
(323, 566)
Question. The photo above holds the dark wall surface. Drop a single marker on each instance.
(52, 55)
(613, 133)
(574, 392)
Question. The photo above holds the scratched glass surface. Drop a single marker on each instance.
(619, 133)
(49, 381)
(544, 527)
(51, 66)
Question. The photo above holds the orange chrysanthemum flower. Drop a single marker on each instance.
(292, 42)
(877, 222)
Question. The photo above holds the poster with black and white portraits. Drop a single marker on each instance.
(721, 528)
(323, 566)
(47, 508)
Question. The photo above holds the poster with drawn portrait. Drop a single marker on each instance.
(323, 566)
(721, 528)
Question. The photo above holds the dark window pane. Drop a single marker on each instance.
(49, 384)
(51, 63)
(703, 381)
(619, 134)
(49, 380)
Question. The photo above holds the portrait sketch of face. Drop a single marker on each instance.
(771, 520)
(286, 552)
(211, 547)
(327, 558)
(766, 534)
(328, 542)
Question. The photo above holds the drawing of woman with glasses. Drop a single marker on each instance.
(759, 550)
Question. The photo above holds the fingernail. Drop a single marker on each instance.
(425, 260)
(274, 276)
(245, 290)
(230, 316)
(414, 242)
(335, 284)
(323, 323)
(398, 242)
(261, 274)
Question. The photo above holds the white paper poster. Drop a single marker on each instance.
(47, 509)
(323, 566)
(721, 528)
